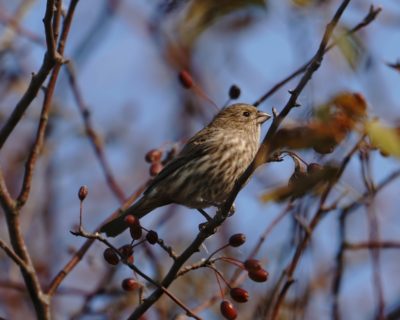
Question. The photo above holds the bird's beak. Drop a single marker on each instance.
(262, 117)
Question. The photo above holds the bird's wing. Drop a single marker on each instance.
(196, 147)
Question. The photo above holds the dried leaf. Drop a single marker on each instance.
(302, 185)
(352, 49)
(201, 14)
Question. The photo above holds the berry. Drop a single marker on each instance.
(259, 275)
(152, 237)
(237, 240)
(111, 256)
(252, 265)
(130, 284)
(234, 92)
(136, 231)
(131, 220)
(228, 310)
(126, 251)
(239, 295)
(83, 192)
(153, 156)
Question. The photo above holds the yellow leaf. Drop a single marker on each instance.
(383, 137)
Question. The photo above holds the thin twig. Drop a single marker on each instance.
(93, 136)
(21, 263)
(371, 16)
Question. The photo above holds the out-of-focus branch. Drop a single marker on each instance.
(49, 61)
(371, 16)
(340, 262)
(93, 136)
(320, 212)
(44, 116)
(372, 245)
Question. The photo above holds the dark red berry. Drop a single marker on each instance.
(185, 79)
(111, 256)
(228, 310)
(239, 295)
(152, 237)
(234, 92)
(153, 156)
(260, 275)
(83, 192)
(126, 251)
(252, 265)
(130, 284)
(136, 231)
(155, 169)
(131, 220)
(237, 240)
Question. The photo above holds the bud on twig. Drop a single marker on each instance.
(83, 192)
(237, 240)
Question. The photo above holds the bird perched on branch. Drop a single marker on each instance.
(205, 171)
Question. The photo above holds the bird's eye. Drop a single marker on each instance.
(246, 114)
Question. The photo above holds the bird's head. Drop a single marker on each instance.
(238, 116)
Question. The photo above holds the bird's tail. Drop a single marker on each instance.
(139, 209)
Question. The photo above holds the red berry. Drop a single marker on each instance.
(130, 284)
(260, 275)
(152, 237)
(228, 310)
(185, 79)
(234, 92)
(237, 240)
(111, 256)
(239, 295)
(131, 220)
(155, 169)
(252, 265)
(83, 192)
(153, 156)
(136, 232)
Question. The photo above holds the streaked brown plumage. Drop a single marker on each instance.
(204, 172)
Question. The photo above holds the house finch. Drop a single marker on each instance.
(205, 171)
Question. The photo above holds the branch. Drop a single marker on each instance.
(99, 237)
(77, 257)
(93, 136)
(37, 80)
(371, 16)
(21, 263)
(44, 116)
(321, 211)
(372, 245)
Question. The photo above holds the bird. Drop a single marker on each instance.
(204, 172)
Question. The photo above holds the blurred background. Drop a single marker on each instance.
(126, 56)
